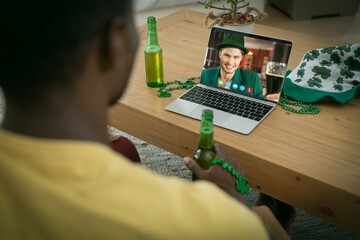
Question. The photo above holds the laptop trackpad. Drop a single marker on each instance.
(219, 116)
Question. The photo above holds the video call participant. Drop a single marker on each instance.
(59, 177)
(228, 75)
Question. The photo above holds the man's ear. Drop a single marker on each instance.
(119, 42)
(242, 57)
(118, 53)
(111, 44)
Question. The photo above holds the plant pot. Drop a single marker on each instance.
(246, 26)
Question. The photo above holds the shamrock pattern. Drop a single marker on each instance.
(338, 87)
(325, 63)
(357, 52)
(346, 73)
(352, 63)
(323, 72)
(335, 58)
(343, 49)
(331, 69)
(308, 57)
(328, 50)
(301, 73)
(315, 82)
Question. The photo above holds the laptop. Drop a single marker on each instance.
(241, 80)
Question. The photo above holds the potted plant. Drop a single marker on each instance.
(231, 16)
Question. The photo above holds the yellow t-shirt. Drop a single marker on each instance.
(57, 189)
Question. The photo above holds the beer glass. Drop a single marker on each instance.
(275, 72)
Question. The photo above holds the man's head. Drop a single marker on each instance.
(45, 46)
(230, 59)
(231, 52)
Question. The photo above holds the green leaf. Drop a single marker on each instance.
(343, 49)
(308, 57)
(317, 79)
(303, 65)
(323, 72)
(346, 73)
(298, 80)
(357, 52)
(325, 63)
(314, 82)
(355, 82)
(335, 58)
(301, 73)
(328, 50)
(340, 80)
(352, 63)
(314, 53)
(338, 87)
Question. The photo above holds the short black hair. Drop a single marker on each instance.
(45, 43)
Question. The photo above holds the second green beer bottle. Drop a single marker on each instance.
(206, 151)
(153, 57)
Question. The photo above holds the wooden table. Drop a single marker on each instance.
(309, 161)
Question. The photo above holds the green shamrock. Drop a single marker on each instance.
(355, 82)
(301, 73)
(343, 49)
(325, 63)
(340, 80)
(308, 57)
(335, 58)
(357, 52)
(315, 82)
(304, 64)
(323, 72)
(352, 63)
(346, 73)
(338, 87)
(327, 50)
(298, 80)
(314, 53)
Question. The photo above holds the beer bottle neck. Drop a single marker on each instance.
(206, 139)
(152, 33)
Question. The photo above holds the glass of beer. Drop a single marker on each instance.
(275, 72)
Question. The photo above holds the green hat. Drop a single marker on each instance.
(326, 72)
(233, 40)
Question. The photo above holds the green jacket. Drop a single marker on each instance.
(247, 79)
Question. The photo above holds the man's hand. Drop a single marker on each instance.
(218, 175)
(273, 97)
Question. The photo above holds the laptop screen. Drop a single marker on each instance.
(246, 63)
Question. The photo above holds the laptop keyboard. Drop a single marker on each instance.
(227, 103)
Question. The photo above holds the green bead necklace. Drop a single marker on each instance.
(186, 85)
(304, 108)
(241, 182)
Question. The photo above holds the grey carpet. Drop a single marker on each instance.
(305, 226)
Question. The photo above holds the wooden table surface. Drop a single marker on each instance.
(309, 161)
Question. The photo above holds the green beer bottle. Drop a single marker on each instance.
(153, 57)
(206, 151)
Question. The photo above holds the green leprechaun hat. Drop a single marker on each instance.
(233, 40)
(326, 72)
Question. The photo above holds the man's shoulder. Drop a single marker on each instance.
(210, 75)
